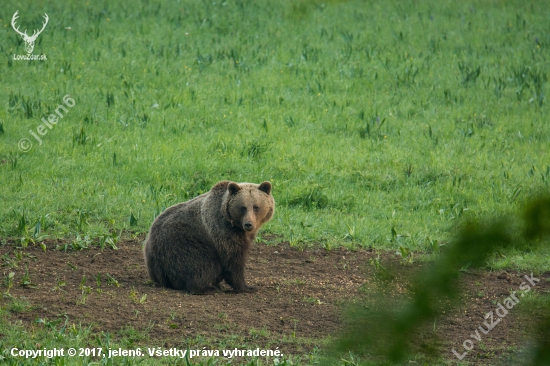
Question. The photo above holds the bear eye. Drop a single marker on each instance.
(256, 208)
(243, 209)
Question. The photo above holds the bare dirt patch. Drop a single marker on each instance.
(298, 303)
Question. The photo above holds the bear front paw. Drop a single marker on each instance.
(245, 289)
(251, 289)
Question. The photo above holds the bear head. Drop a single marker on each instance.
(248, 206)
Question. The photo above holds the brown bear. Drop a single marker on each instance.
(194, 245)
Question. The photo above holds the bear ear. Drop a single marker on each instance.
(233, 187)
(265, 187)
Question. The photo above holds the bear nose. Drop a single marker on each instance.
(248, 226)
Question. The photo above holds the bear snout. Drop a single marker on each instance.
(248, 226)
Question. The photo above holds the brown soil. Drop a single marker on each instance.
(298, 303)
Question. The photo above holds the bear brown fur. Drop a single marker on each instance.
(194, 245)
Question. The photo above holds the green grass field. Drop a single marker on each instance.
(381, 124)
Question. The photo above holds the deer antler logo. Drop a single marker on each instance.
(29, 40)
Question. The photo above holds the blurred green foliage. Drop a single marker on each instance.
(394, 329)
